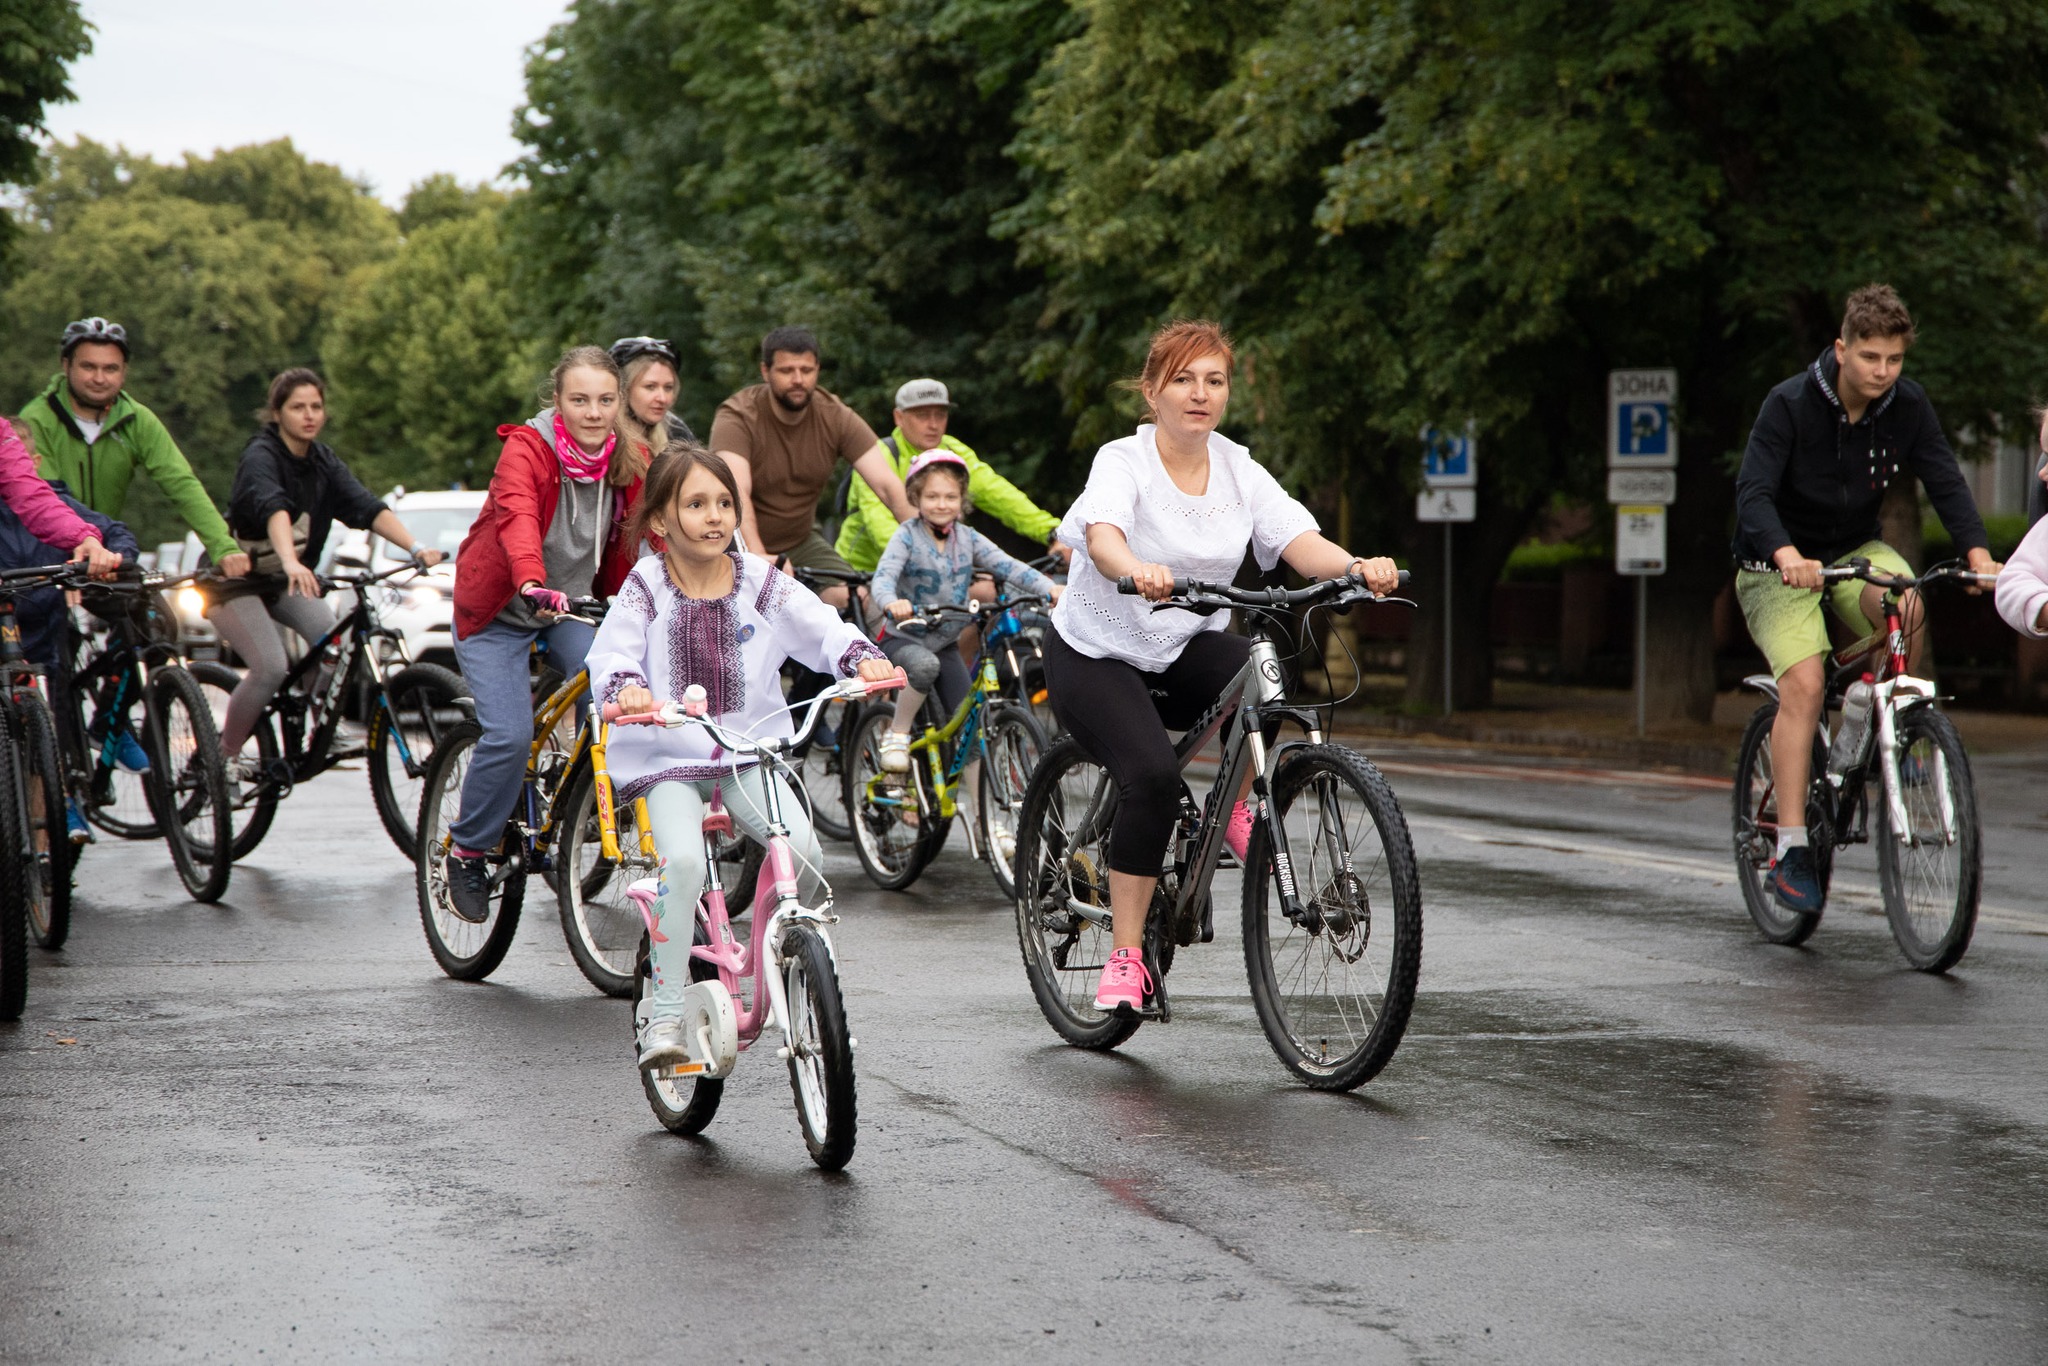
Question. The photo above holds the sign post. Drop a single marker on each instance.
(1642, 480)
(1450, 493)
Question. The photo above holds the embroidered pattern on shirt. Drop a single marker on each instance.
(774, 593)
(621, 681)
(857, 654)
(704, 647)
(633, 594)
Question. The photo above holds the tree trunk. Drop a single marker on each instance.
(1680, 657)
(1478, 551)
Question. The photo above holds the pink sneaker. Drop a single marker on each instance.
(1238, 834)
(1124, 981)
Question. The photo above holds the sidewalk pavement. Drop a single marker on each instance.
(1599, 723)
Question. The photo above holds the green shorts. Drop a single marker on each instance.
(1786, 622)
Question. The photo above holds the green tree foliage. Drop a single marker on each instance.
(705, 170)
(425, 357)
(39, 39)
(224, 270)
(1699, 186)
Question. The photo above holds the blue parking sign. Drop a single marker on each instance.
(1640, 431)
(1449, 461)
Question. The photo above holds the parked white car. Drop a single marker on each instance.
(421, 608)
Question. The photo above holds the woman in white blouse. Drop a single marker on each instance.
(1175, 500)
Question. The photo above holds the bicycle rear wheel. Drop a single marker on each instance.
(820, 1049)
(47, 879)
(1062, 872)
(684, 1105)
(251, 820)
(1933, 878)
(466, 951)
(1014, 743)
(890, 848)
(602, 927)
(188, 782)
(421, 703)
(1756, 833)
(1333, 991)
(13, 877)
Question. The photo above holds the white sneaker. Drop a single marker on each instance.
(1003, 838)
(893, 753)
(661, 1044)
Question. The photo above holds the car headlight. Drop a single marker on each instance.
(424, 597)
(191, 602)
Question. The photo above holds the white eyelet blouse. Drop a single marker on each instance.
(1196, 537)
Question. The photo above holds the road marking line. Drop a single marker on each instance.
(1840, 888)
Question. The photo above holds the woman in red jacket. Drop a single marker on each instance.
(551, 530)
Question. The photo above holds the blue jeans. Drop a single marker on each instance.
(493, 664)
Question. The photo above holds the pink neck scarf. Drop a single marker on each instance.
(583, 468)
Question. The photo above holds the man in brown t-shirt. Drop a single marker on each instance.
(784, 439)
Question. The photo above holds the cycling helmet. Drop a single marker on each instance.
(94, 330)
(932, 459)
(632, 348)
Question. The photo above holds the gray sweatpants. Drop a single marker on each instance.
(249, 625)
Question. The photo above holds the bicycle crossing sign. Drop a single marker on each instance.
(1640, 431)
(1450, 460)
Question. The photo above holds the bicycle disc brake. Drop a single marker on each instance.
(1346, 914)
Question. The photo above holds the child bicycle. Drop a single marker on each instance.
(1332, 904)
(800, 996)
(900, 820)
(293, 741)
(1930, 864)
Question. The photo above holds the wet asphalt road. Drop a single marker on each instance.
(1621, 1128)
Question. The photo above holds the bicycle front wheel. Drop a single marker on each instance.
(602, 927)
(13, 877)
(188, 783)
(1062, 871)
(116, 796)
(466, 951)
(1333, 989)
(820, 1049)
(1931, 872)
(48, 878)
(421, 703)
(251, 820)
(1756, 833)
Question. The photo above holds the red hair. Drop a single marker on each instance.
(1180, 344)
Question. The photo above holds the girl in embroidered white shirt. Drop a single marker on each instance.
(702, 612)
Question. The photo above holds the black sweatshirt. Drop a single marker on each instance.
(316, 491)
(1812, 479)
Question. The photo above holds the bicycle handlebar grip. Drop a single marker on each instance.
(874, 685)
(1129, 586)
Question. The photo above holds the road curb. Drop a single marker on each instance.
(1704, 757)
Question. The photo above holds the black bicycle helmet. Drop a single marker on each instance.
(94, 330)
(632, 348)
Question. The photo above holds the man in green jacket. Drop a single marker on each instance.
(922, 407)
(90, 434)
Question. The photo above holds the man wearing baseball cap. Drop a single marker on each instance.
(922, 408)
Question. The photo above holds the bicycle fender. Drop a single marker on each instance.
(1764, 684)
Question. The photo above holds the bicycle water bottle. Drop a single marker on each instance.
(1855, 728)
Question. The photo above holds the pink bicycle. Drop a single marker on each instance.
(730, 999)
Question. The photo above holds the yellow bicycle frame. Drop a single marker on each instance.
(930, 744)
(590, 739)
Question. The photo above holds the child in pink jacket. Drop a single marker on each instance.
(41, 510)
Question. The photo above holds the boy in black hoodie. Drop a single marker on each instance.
(1826, 445)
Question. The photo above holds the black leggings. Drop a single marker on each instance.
(1121, 714)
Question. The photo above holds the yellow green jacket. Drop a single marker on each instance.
(99, 474)
(869, 523)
